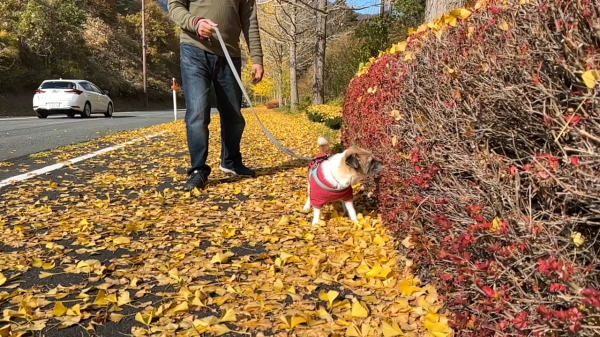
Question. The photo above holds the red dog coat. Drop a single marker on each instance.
(321, 192)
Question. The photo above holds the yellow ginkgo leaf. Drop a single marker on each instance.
(124, 298)
(144, 319)
(46, 274)
(116, 317)
(221, 257)
(219, 329)
(181, 307)
(462, 13)
(59, 309)
(438, 329)
(48, 265)
(228, 316)
(359, 310)
(284, 221)
(228, 232)
(578, 238)
(353, 331)
(291, 322)
(329, 296)
(322, 313)
(6, 331)
(496, 223)
(397, 116)
(391, 330)
(589, 78)
(408, 288)
(121, 240)
(2, 279)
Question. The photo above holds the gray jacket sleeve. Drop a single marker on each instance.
(178, 10)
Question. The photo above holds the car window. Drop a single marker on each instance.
(86, 86)
(96, 89)
(58, 85)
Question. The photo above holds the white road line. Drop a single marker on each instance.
(78, 119)
(57, 166)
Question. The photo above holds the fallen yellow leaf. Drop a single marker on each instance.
(462, 13)
(116, 317)
(228, 316)
(59, 309)
(291, 322)
(578, 238)
(391, 330)
(121, 240)
(589, 78)
(359, 310)
(220, 329)
(221, 257)
(6, 331)
(329, 296)
(144, 319)
(181, 307)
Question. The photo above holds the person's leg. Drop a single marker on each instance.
(196, 74)
(229, 103)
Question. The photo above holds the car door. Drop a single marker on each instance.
(102, 98)
(91, 95)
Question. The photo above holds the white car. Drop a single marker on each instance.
(71, 97)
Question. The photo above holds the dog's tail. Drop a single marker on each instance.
(323, 144)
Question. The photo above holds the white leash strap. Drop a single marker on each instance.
(237, 77)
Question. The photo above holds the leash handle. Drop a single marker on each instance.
(239, 81)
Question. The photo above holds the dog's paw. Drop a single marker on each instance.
(318, 223)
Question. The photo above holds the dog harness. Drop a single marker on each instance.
(320, 191)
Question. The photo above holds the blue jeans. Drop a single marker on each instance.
(199, 69)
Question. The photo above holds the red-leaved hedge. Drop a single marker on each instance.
(272, 104)
(490, 141)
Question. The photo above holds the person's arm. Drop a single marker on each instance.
(249, 19)
(178, 10)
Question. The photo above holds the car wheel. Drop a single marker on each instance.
(87, 110)
(109, 110)
(41, 115)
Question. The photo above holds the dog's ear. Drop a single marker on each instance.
(374, 167)
(353, 161)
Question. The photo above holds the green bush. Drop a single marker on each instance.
(330, 115)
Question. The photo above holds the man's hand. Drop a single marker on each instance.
(205, 28)
(257, 73)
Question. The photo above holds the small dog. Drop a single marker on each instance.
(331, 177)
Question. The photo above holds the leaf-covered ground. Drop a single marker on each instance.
(112, 246)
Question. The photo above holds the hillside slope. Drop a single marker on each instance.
(96, 40)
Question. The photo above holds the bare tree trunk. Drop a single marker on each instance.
(279, 88)
(437, 8)
(319, 61)
(293, 78)
(293, 61)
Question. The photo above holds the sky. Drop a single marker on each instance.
(373, 5)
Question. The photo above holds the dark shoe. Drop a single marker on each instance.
(240, 170)
(196, 180)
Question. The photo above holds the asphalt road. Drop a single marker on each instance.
(22, 136)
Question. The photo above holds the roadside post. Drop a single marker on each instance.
(175, 87)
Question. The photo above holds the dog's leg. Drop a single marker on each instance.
(344, 208)
(351, 211)
(306, 207)
(316, 216)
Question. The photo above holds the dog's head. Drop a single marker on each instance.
(360, 163)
